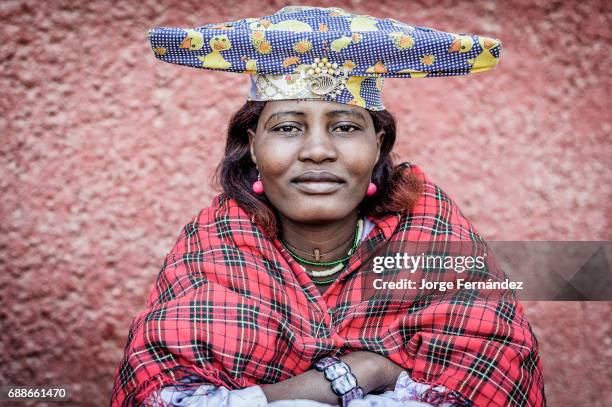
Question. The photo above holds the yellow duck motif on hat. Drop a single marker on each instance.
(485, 60)
(461, 44)
(343, 42)
(214, 59)
(363, 23)
(287, 25)
(193, 41)
(353, 85)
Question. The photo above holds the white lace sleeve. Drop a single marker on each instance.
(207, 395)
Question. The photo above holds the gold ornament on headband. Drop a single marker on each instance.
(325, 78)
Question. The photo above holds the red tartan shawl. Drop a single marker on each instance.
(231, 306)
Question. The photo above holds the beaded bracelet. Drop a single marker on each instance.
(343, 381)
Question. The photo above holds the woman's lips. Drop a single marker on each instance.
(318, 182)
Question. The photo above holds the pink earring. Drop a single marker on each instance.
(258, 187)
(371, 189)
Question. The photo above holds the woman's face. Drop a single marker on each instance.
(315, 158)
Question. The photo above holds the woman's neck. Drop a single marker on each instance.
(327, 237)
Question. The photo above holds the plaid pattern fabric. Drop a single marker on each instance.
(231, 306)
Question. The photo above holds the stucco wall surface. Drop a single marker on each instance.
(106, 153)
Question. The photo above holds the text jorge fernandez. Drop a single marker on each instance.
(459, 264)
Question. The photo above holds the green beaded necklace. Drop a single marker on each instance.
(326, 263)
(323, 282)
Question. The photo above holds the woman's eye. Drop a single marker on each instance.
(287, 129)
(345, 128)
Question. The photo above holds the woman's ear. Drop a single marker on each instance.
(251, 134)
(380, 136)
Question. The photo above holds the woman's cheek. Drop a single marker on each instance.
(362, 161)
(274, 161)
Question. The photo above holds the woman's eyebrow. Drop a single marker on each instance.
(281, 114)
(345, 112)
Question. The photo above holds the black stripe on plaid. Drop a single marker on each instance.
(275, 270)
(408, 331)
(464, 297)
(256, 231)
(240, 362)
(479, 274)
(159, 351)
(197, 280)
(506, 310)
(158, 314)
(282, 309)
(530, 362)
(223, 227)
(201, 311)
(274, 368)
(285, 331)
(202, 351)
(191, 229)
(342, 308)
(247, 315)
(420, 304)
(441, 195)
(272, 373)
(193, 257)
(518, 396)
(439, 351)
(482, 366)
(311, 298)
(503, 339)
(441, 226)
(378, 306)
(475, 236)
(232, 256)
(126, 372)
(167, 295)
(377, 345)
(451, 329)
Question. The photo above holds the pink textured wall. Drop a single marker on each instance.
(106, 153)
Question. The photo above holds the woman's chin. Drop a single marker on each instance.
(317, 210)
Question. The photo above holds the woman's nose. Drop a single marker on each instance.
(318, 146)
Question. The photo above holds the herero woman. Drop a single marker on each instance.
(261, 299)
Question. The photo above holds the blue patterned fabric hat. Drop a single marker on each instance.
(324, 53)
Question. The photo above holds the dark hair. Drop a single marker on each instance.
(398, 188)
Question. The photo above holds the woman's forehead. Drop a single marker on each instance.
(316, 108)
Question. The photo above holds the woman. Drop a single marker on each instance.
(265, 295)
